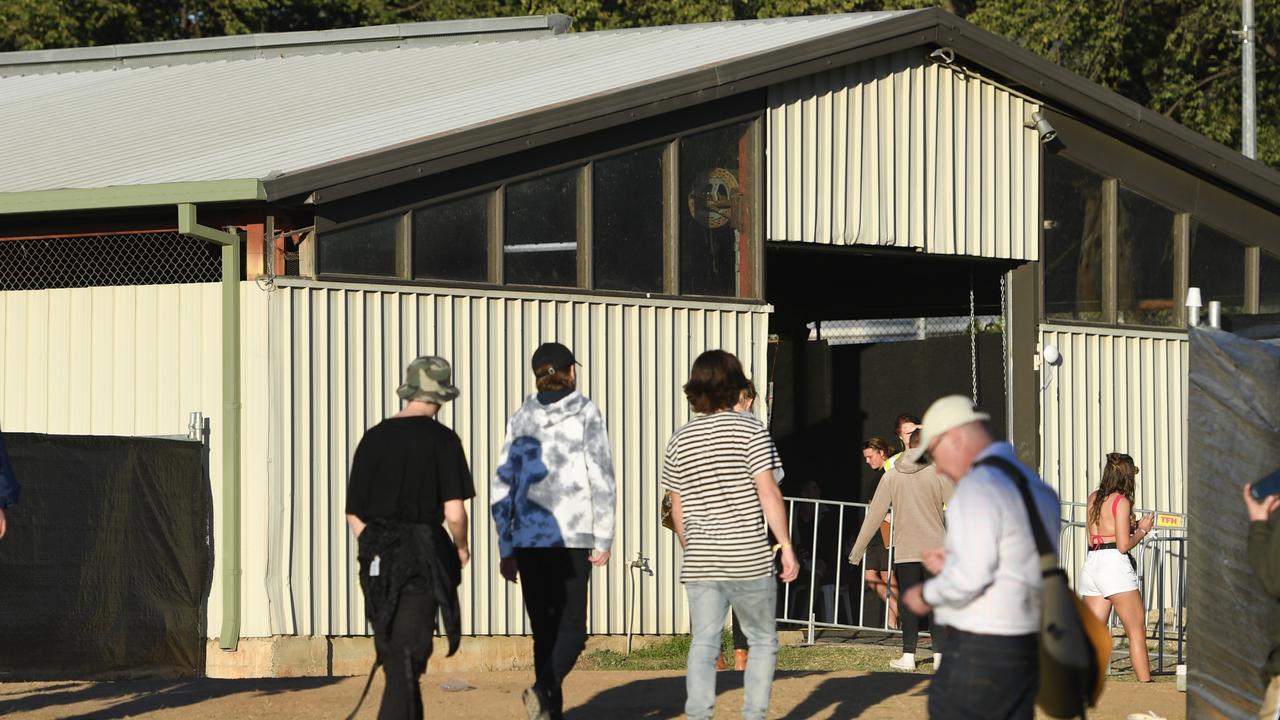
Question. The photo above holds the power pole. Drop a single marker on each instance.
(1248, 125)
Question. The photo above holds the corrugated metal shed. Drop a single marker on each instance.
(136, 360)
(266, 117)
(338, 351)
(901, 152)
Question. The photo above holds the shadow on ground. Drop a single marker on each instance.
(663, 698)
(137, 697)
(849, 697)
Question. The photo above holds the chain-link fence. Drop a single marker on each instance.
(878, 330)
(101, 260)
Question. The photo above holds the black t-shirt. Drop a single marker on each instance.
(405, 469)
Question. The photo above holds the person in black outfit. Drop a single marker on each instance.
(409, 474)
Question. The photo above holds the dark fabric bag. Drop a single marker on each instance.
(1074, 645)
(405, 551)
(8, 481)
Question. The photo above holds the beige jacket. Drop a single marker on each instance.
(917, 495)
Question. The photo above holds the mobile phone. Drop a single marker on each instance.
(1266, 487)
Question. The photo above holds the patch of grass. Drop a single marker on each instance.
(672, 653)
(666, 654)
(845, 657)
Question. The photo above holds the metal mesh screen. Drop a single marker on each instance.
(103, 260)
(854, 332)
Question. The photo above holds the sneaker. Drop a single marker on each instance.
(906, 662)
(535, 704)
(1148, 715)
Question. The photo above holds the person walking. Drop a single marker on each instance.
(903, 426)
(719, 471)
(409, 473)
(1263, 555)
(1109, 576)
(987, 584)
(876, 452)
(552, 499)
(741, 648)
(917, 495)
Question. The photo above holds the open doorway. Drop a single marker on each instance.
(860, 337)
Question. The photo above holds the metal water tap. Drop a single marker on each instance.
(642, 563)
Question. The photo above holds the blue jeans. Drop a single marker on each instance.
(753, 603)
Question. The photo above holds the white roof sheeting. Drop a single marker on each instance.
(264, 117)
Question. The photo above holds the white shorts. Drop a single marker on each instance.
(1106, 573)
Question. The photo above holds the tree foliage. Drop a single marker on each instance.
(1177, 57)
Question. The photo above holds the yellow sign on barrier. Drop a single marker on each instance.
(1166, 520)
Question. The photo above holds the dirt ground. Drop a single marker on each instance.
(589, 695)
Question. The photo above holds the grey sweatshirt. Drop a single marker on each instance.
(917, 494)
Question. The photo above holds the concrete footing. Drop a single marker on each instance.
(293, 656)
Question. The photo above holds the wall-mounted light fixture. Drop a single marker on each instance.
(1043, 128)
(1050, 358)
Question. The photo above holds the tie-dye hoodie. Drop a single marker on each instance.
(554, 483)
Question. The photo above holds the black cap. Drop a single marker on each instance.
(554, 354)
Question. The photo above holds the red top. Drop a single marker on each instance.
(1096, 540)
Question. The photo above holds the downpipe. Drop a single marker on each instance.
(641, 563)
(229, 636)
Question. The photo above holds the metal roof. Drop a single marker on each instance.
(168, 52)
(342, 118)
(269, 117)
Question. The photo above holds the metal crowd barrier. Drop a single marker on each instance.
(1162, 575)
(836, 588)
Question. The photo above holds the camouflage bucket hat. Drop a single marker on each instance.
(428, 379)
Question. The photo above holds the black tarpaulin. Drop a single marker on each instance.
(106, 564)
(1234, 438)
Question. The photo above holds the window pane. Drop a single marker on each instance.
(1144, 262)
(1217, 268)
(368, 249)
(541, 243)
(451, 240)
(1072, 241)
(716, 214)
(1269, 284)
(627, 225)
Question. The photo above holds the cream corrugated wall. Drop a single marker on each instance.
(337, 354)
(1121, 391)
(901, 152)
(136, 360)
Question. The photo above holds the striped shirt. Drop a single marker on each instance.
(711, 463)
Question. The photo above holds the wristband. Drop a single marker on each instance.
(781, 546)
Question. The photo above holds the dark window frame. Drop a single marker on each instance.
(1189, 197)
(668, 141)
(1248, 299)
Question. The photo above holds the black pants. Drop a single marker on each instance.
(910, 574)
(554, 583)
(986, 676)
(404, 655)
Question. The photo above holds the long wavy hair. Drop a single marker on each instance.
(1117, 477)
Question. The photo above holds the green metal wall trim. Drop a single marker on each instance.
(124, 196)
(229, 637)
